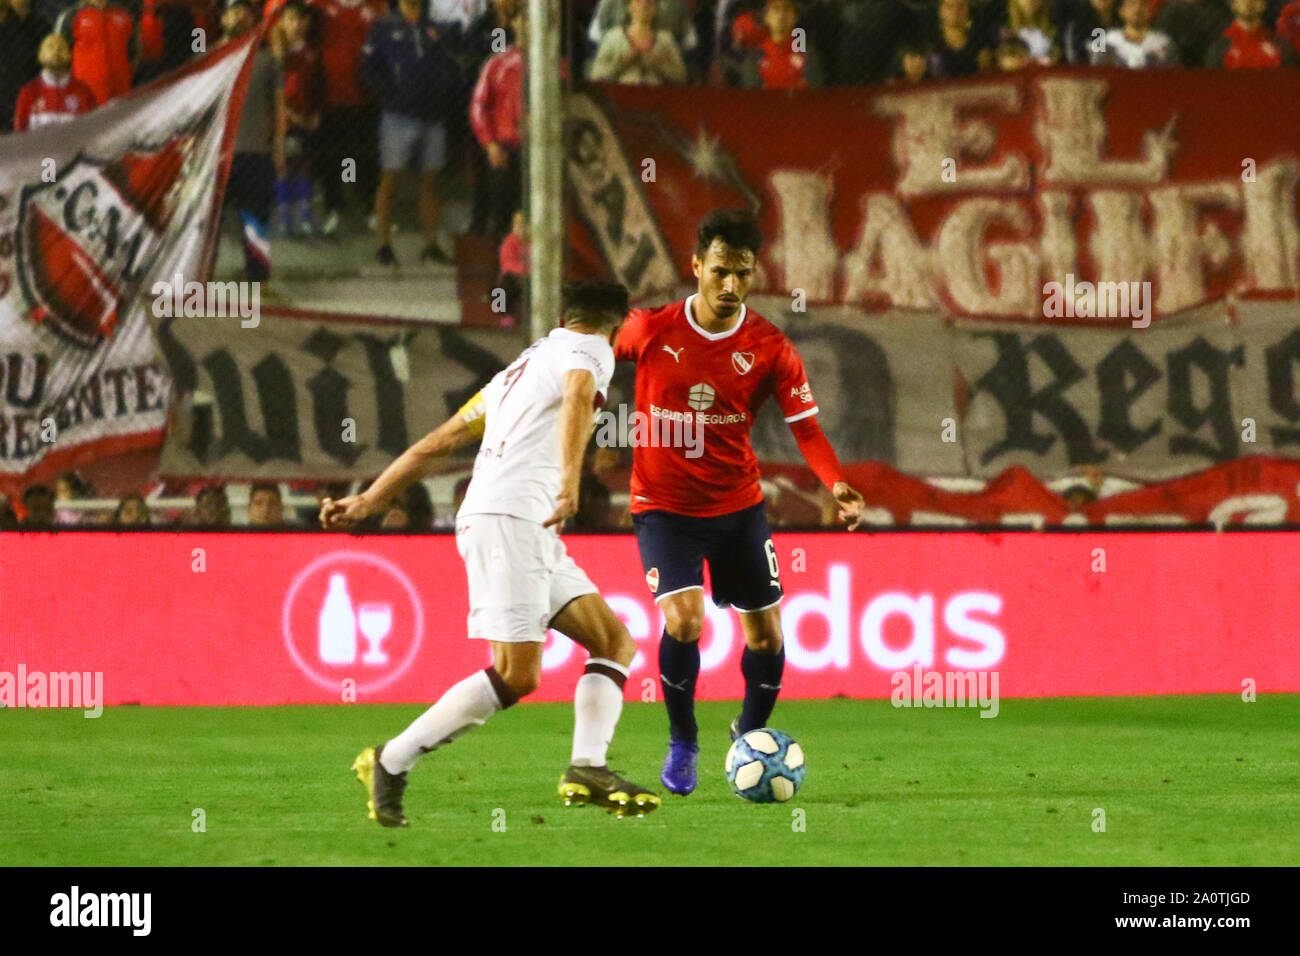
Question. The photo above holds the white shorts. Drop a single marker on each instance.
(520, 577)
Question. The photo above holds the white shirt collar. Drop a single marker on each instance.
(712, 336)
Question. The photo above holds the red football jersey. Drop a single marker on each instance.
(781, 68)
(343, 33)
(303, 76)
(101, 41)
(45, 103)
(1288, 25)
(1251, 49)
(691, 378)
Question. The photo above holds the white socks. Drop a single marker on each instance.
(597, 704)
(464, 706)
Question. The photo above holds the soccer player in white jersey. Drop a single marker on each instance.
(535, 418)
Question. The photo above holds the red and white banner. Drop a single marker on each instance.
(212, 619)
(92, 213)
(1246, 492)
(1052, 269)
(963, 197)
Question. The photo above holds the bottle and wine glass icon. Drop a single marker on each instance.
(338, 625)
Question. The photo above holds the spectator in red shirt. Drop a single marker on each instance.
(784, 60)
(515, 261)
(349, 124)
(300, 101)
(1247, 43)
(21, 33)
(55, 96)
(747, 33)
(490, 33)
(166, 38)
(496, 113)
(105, 46)
(1288, 26)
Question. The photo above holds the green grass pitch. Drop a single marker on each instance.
(1207, 780)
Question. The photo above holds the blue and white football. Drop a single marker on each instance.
(765, 766)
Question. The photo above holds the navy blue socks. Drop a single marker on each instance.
(762, 685)
(679, 667)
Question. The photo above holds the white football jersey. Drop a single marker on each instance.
(517, 471)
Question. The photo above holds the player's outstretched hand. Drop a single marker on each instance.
(344, 513)
(851, 504)
(566, 506)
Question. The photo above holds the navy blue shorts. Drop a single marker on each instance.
(742, 559)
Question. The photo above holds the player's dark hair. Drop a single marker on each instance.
(594, 305)
(738, 228)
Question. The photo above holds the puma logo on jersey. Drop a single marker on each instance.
(676, 355)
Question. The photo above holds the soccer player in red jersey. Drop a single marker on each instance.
(704, 367)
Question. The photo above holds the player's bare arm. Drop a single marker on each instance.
(817, 451)
(412, 465)
(574, 431)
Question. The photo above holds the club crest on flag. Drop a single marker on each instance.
(84, 240)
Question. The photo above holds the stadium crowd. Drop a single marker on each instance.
(332, 52)
(438, 84)
(431, 78)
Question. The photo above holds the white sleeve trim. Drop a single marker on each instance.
(802, 415)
